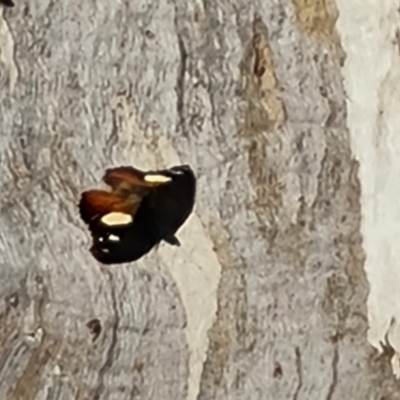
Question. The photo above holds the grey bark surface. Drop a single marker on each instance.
(250, 94)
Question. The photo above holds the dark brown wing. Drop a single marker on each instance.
(133, 242)
(7, 3)
(168, 206)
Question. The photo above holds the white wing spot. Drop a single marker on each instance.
(113, 238)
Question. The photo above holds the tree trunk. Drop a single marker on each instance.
(267, 296)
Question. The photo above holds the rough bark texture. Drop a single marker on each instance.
(266, 297)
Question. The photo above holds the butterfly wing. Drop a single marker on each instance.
(7, 3)
(168, 206)
(125, 244)
(127, 192)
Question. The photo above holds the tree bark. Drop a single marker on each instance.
(266, 297)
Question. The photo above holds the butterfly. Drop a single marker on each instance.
(7, 3)
(142, 209)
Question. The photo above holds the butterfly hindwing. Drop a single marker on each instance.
(170, 205)
(126, 244)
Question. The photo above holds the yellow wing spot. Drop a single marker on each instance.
(157, 178)
(116, 218)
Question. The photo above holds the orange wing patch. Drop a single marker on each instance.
(131, 179)
(127, 177)
(99, 202)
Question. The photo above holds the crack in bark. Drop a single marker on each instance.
(210, 91)
(218, 56)
(333, 384)
(53, 392)
(299, 373)
(111, 349)
(180, 80)
(112, 140)
(180, 83)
